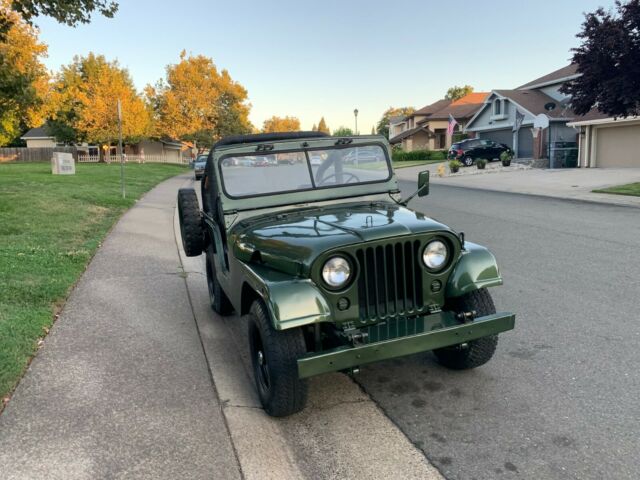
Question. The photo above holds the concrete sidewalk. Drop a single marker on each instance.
(566, 183)
(121, 388)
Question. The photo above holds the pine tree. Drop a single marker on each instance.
(322, 126)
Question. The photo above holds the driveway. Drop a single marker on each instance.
(568, 183)
(560, 398)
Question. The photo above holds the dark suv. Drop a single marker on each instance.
(468, 151)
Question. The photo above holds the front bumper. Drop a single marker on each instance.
(352, 356)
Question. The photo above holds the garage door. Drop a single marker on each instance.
(499, 136)
(618, 146)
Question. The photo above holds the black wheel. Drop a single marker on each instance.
(190, 222)
(274, 355)
(468, 161)
(219, 301)
(476, 352)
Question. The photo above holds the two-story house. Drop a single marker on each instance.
(497, 117)
(426, 129)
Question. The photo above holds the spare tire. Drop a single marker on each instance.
(190, 222)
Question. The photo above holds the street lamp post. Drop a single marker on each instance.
(355, 113)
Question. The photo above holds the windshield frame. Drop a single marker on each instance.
(306, 151)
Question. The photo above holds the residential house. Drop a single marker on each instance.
(39, 138)
(165, 150)
(607, 142)
(426, 129)
(497, 118)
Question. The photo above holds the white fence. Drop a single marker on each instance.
(83, 158)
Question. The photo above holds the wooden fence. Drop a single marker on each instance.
(24, 154)
(44, 154)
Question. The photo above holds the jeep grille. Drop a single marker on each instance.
(390, 280)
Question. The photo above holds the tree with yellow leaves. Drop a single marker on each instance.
(281, 124)
(322, 126)
(84, 100)
(23, 77)
(198, 103)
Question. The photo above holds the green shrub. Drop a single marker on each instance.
(506, 156)
(457, 137)
(401, 156)
(481, 163)
(454, 165)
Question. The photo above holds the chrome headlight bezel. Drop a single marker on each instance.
(326, 269)
(436, 248)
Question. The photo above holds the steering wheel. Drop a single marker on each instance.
(351, 178)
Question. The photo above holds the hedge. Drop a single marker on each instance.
(401, 156)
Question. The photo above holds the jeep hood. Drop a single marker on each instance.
(291, 241)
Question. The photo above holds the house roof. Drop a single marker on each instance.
(553, 77)
(397, 119)
(472, 98)
(38, 132)
(595, 116)
(432, 108)
(407, 133)
(462, 108)
(534, 101)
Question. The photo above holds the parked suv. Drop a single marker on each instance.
(330, 267)
(468, 151)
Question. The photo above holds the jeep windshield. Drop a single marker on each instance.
(295, 171)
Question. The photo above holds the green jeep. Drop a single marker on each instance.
(333, 271)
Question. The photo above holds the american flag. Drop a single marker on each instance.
(452, 125)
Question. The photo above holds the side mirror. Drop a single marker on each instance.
(423, 183)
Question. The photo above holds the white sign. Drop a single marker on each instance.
(541, 121)
(62, 164)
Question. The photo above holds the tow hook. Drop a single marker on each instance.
(467, 317)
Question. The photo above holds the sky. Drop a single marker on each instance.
(313, 59)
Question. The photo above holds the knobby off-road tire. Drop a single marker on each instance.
(274, 355)
(477, 352)
(219, 301)
(190, 222)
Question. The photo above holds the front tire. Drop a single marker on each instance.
(476, 352)
(468, 161)
(217, 298)
(274, 355)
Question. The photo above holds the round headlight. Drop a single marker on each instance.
(336, 272)
(435, 254)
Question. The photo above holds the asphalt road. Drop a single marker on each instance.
(561, 398)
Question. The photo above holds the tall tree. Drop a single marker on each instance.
(343, 131)
(383, 124)
(322, 126)
(199, 103)
(71, 12)
(84, 100)
(373, 130)
(456, 92)
(281, 124)
(609, 62)
(23, 77)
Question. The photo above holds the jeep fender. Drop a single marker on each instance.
(476, 268)
(292, 302)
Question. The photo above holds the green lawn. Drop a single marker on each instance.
(413, 163)
(628, 189)
(50, 227)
